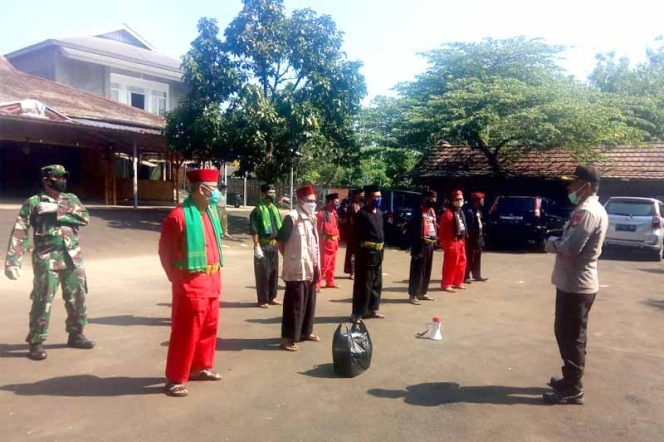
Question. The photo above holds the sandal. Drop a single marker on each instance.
(275, 302)
(205, 375)
(356, 319)
(374, 315)
(176, 390)
(459, 287)
(448, 290)
(291, 347)
(426, 298)
(313, 338)
(263, 306)
(413, 300)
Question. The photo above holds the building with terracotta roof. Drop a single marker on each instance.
(119, 65)
(113, 150)
(625, 171)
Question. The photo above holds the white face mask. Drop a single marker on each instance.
(309, 207)
(458, 203)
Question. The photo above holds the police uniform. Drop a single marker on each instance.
(575, 277)
(56, 259)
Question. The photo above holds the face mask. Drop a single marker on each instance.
(309, 207)
(377, 200)
(336, 206)
(58, 185)
(214, 198)
(458, 203)
(573, 198)
(269, 198)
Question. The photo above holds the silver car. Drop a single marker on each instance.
(636, 223)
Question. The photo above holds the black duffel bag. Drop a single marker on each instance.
(351, 349)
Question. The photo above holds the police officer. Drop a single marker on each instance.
(55, 217)
(575, 278)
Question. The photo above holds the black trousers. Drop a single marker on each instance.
(349, 264)
(297, 322)
(420, 270)
(368, 282)
(571, 327)
(266, 270)
(474, 259)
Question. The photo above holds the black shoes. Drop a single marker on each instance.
(37, 352)
(80, 341)
(562, 393)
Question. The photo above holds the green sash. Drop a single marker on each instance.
(266, 208)
(195, 235)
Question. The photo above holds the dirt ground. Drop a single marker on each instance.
(482, 382)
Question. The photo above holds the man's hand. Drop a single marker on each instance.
(46, 207)
(13, 272)
(258, 252)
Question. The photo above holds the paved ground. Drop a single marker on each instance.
(483, 382)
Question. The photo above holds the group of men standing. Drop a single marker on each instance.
(190, 250)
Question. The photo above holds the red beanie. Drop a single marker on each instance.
(305, 191)
(200, 175)
(477, 196)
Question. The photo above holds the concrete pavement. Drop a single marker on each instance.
(482, 382)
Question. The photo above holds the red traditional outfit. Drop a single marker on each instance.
(195, 310)
(327, 224)
(452, 232)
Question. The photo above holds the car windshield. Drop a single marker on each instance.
(630, 208)
(515, 205)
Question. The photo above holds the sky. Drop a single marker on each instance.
(386, 35)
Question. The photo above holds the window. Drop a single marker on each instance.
(142, 94)
(630, 208)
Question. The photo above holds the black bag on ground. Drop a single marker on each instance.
(351, 349)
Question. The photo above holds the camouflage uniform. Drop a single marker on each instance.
(56, 259)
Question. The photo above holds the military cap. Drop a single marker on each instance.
(430, 194)
(54, 170)
(267, 187)
(371, 188)
(331, 197)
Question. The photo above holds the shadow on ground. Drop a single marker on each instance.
(21, 350)
(125, 320)
(325, 371)
(318, 320)
(88, 385)
(655, 303)
(625, 255)
(240, 344)
(130, 218)
(656, 271)
(440, 393)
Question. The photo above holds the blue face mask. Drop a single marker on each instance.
(336, 206)
(214, 198)
(377, 200)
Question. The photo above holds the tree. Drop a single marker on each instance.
(275, 89)
(503, 96)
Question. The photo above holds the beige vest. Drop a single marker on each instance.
(301, 249)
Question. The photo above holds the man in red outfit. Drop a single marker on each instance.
(190, 253)
(327, 224)
(452, 233)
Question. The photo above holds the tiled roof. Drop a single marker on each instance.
(621, 162)
(74, 103)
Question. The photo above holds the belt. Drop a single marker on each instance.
(267, 242)
(330, 238)
(428, 240)
(211, 269)
(378, 246)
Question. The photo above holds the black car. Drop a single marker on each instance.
(521, 220)
(396, 226)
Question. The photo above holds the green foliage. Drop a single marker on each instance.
(500, 96)
(276, 92)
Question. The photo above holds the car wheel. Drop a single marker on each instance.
(659, 254)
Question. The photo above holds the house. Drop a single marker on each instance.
(119, 65)
(625, 171)
(113, 150)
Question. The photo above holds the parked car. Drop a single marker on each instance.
(396, 226)
(521, 220)
(234, 199)
(636, 223)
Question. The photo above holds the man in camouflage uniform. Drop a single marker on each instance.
(55, 217)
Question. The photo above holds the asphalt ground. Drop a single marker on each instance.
(484, 381)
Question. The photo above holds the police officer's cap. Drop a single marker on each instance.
(584, 173)
(55, 170)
